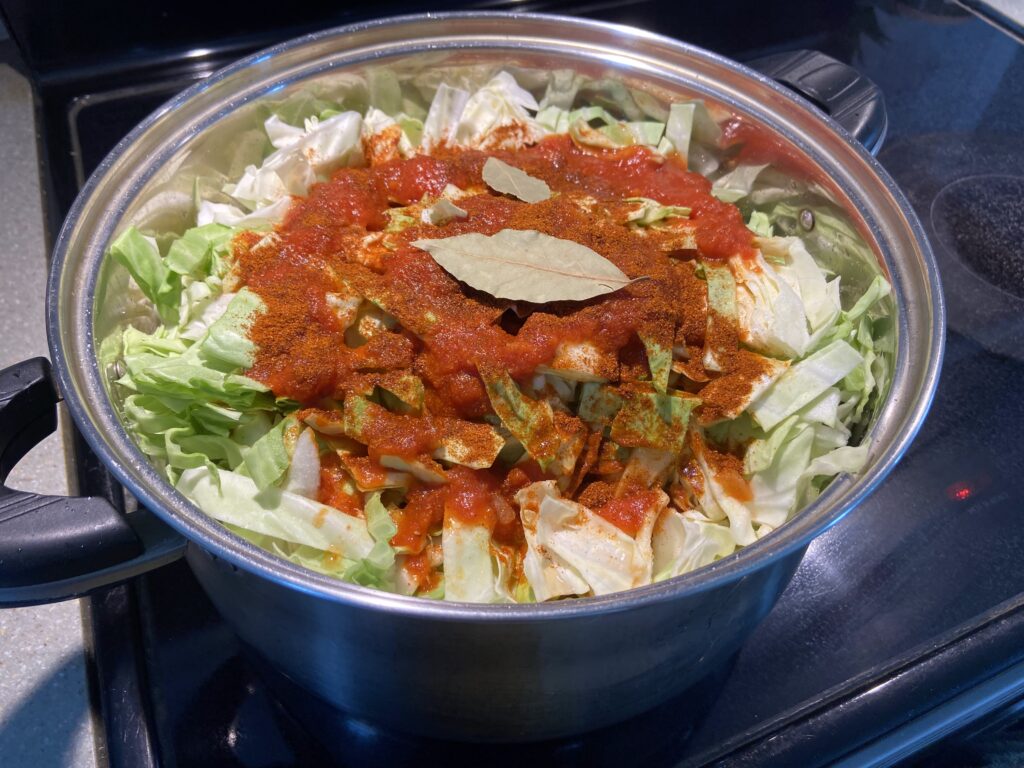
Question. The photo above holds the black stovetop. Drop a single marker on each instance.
(903, 627)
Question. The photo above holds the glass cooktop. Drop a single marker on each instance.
(903, 627)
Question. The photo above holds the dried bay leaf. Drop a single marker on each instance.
(526, 265)
(509, 180)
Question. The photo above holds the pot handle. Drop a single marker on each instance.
(839, 90)
(54, 547)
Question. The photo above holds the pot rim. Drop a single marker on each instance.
(81, 385)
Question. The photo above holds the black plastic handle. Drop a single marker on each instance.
(839, 90)
(55, 547)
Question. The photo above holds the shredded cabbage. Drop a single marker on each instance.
(810, 311)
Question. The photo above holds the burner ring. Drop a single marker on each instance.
(980, 221)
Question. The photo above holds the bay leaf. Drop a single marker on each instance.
(509, 180)
(526, 265)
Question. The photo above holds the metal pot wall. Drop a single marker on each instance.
(479, 672)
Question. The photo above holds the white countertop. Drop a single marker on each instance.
(44, 702)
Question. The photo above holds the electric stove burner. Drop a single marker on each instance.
(654, 739)
(967, 189)
(981, 220)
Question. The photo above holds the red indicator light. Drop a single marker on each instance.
(960, 491)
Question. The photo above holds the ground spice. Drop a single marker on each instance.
(597, 494)
(333, 242)
(726, 396)
(302, 352)
(692, 300)
(367, 474)
(728, 471)
(722, 339)
(586, 462)
(476, 440)
(381, 147)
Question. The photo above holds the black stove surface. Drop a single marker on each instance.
(904, 625)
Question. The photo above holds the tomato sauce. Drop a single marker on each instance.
(473, 496)
(757, 144)
(628, 512)
(341, 240)
(450, 331)
(420, 571)
(333, 487)
(394, 434)
(421, 516)
(734, 484)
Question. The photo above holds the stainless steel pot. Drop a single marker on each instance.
(479, 672)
